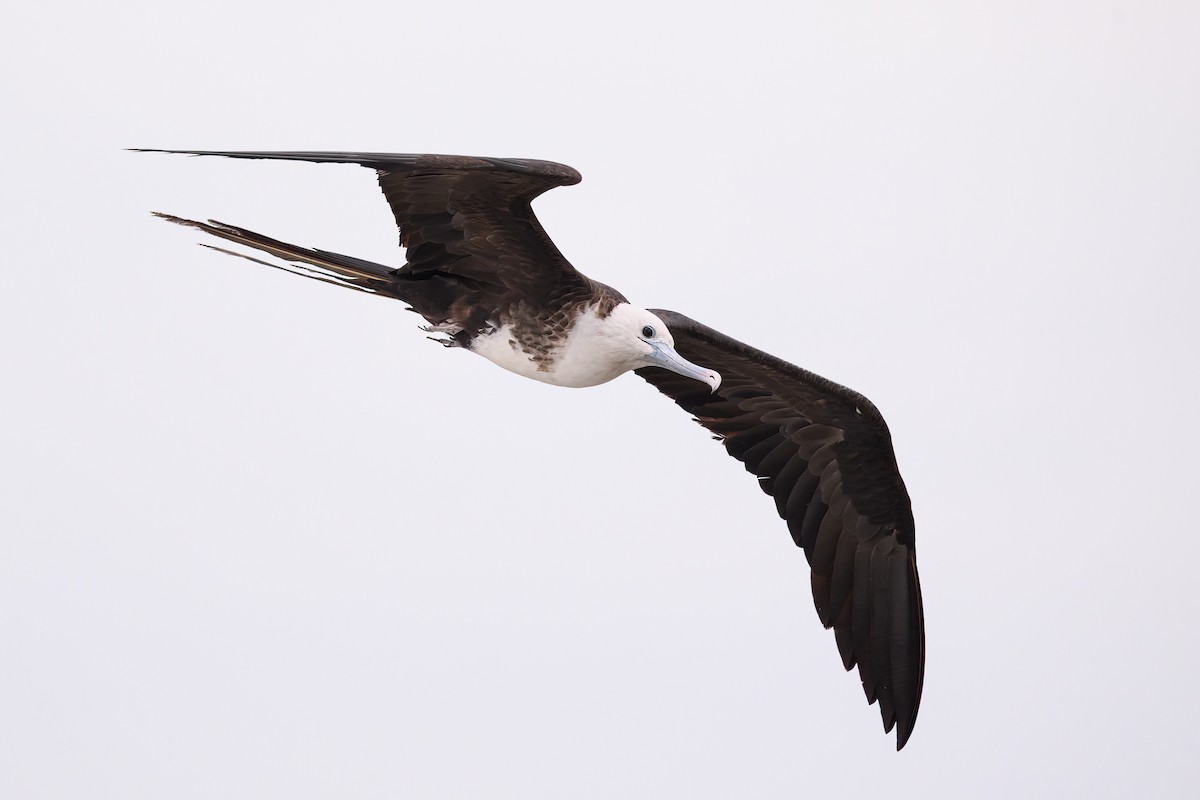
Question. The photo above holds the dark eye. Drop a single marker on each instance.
(648, 332)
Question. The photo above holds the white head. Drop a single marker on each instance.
(632, 337)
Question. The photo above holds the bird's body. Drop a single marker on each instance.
(587, 353)
(485, 276)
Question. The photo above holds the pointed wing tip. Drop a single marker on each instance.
(903, 732)
(160, 150)
(172, 218)
(191, 223)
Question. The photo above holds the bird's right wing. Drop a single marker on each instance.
(467, 217)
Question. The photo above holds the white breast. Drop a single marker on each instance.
(585, 357)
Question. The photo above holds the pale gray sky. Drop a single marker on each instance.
(261, 539)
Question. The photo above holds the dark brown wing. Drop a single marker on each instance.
(824, 453)
(467, 220)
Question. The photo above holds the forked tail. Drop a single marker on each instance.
(322, 265)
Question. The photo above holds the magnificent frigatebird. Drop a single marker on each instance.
(485, 276)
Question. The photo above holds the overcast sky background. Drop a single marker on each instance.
(260, 538)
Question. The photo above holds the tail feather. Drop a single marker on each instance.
(322, 265)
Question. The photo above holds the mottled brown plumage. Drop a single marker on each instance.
(478, 260)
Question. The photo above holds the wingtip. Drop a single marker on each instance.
(175, 152)
(902, 735)
(177, 220)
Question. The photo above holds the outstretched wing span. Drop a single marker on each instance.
(824, 453)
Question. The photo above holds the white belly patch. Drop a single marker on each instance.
(580, 360)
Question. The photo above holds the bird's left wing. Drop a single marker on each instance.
(824, 453)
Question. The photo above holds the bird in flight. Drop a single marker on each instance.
(487, 278)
